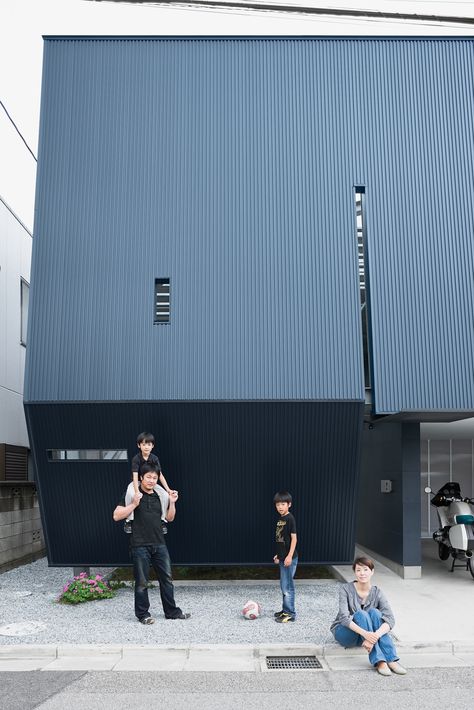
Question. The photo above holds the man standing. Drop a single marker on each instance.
(148, 547)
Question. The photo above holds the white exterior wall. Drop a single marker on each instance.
(15, 259)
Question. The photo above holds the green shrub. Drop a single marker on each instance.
(85, 589)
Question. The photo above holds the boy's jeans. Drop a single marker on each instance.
(287, 585)
(383, 650)
(143, 557)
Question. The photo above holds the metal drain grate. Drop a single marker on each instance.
(292, 662)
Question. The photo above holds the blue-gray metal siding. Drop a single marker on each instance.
(228, 165)
(390, 524)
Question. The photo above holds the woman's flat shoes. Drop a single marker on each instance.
(383, 669)
(395, 667)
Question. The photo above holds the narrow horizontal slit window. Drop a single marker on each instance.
(87, 455)
(162, 301)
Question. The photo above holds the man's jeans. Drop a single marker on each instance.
(158, 557)
(383, 650)
(287, 585)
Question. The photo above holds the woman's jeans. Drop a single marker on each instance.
(287, 585)
(383, 650)
(158, 557)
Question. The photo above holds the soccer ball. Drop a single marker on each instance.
(251, 610)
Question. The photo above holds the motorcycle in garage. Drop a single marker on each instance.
(456, 517)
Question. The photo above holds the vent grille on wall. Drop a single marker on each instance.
(13, 463)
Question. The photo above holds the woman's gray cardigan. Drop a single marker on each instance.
(349, 603)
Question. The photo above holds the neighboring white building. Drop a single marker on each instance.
(17, 180)
(15, 258)
(21, 535)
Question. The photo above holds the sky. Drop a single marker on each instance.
(23, 22)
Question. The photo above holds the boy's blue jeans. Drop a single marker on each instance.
(383, 650)
(287, 585)
(143, 558)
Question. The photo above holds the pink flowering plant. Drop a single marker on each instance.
(85, 589)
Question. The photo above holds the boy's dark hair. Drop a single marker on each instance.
(363, 562)
(282, 497)
(149, 468)
(145, 437)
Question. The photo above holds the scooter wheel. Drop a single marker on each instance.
(443, 551)
(470, 564)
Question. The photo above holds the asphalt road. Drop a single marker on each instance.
(445, 688)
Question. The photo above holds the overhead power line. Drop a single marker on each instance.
(306, 10)
(17, 130)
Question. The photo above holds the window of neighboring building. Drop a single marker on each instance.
(162, 301)
(24, 299)
(87, 455)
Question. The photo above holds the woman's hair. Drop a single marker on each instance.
(363, 562)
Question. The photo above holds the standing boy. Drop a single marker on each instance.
(286, 555)
(148, 546)
(146, 443)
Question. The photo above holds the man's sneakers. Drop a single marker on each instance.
(127, 527)
(282, 617)
(150, 620)
(278, 613)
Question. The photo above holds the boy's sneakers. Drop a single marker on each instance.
(127, 526)
(278, 613)
(284, 618)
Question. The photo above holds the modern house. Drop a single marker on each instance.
(261, 250)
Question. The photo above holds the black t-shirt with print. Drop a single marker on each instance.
(285, 526)
(147, 528)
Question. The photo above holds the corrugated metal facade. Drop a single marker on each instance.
(192, 160)
(229, 166)
(226, 459)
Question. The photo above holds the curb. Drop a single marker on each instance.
(25, 651)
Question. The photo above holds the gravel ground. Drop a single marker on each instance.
(29, 593)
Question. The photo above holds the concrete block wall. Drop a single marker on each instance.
(21, 533)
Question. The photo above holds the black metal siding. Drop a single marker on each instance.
(226, 459)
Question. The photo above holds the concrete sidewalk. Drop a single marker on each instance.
(215, 657)
(432, 611)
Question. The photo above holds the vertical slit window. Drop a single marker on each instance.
(24, 301)
(162, 301)
(361, 233)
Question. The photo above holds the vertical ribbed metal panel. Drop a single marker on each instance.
(420, 223)
(227, 459)
(228, 165)
(206, 162)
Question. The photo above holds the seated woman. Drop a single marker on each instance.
(365, 618)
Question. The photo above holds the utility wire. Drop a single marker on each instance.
(215, 9)
(17, 130)
(306, 10)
